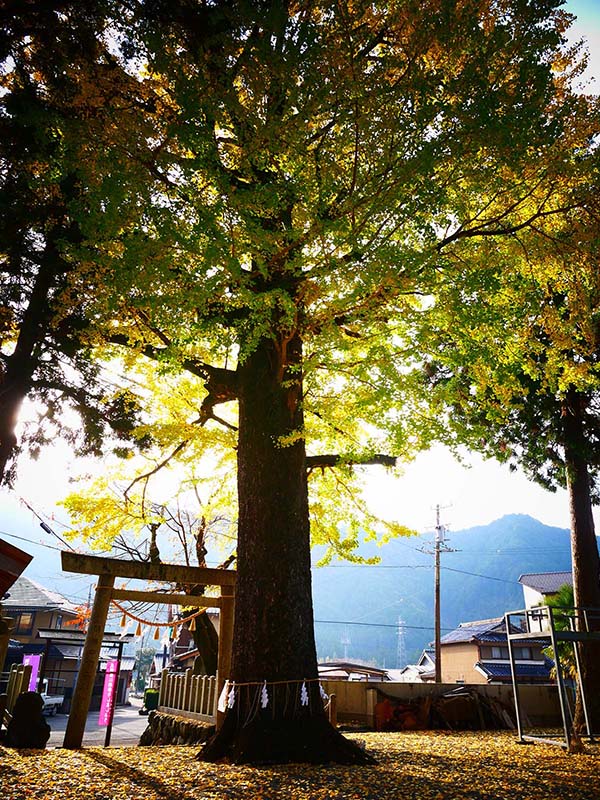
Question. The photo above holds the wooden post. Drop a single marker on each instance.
(333, 709)
(18, 681)
(187, 690)
(371, 702)
(163, 689)
(42, 672)
(225, 643)
(6, 627)
(212, 697)
(89, 663)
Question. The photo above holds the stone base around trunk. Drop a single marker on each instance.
(170, 729)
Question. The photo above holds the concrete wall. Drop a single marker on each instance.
(356, 700)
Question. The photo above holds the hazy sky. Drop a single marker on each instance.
(472, 496)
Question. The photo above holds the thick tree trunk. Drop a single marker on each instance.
(207, 641)
(584, 549)
(273, 630)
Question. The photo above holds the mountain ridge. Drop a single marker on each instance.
(357, 606)
(479, 580)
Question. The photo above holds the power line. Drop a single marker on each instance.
(341, 566)
(31, 541)
(377, 624)
(373, 566)
(477, 575)
(516, 551)
(44, 525)
(421, 566)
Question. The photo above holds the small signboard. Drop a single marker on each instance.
(35, 661)
(109, 691)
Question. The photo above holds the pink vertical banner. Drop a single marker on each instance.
(35, 670)
(111, 679)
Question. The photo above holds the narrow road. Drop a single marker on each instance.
(128, 726)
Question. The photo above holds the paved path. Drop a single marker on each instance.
(128, 726)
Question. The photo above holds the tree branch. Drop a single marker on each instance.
(221, 382)
(485, 230)
(323, 461)
(147, 475)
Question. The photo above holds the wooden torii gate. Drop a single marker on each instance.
(107, 570)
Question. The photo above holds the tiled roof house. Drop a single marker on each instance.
(538, 585)
(33, 607)
(421, 672)
(477, 652)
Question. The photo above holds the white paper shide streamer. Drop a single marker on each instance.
(303, 695)
(222, 704)
(231, 696)
(264, 696)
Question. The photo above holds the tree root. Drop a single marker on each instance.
(302, 739)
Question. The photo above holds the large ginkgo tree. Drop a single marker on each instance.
(272, 230)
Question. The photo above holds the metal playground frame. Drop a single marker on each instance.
(577, 626)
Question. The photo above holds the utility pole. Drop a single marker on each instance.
(345, 641)
(401, 646)
(439, 547)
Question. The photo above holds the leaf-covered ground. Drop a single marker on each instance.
(412, 766)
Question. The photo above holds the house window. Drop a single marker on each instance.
(524, 653)
(499, 652)
(23, 622)
(59, 621)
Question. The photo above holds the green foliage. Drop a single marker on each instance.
(563, 603)
(144, 658)
(55, 79)
(248, 173)
(327, 173)
(510, 347)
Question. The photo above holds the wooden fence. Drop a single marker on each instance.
(18, 681)
(188, 695)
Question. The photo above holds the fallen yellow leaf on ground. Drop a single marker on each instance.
(429, 765)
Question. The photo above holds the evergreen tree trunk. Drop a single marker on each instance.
(584, 550)
(15, 380)
(20, 366)
(12, 394)
(273, 630)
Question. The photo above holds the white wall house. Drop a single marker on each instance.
(538, 585)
